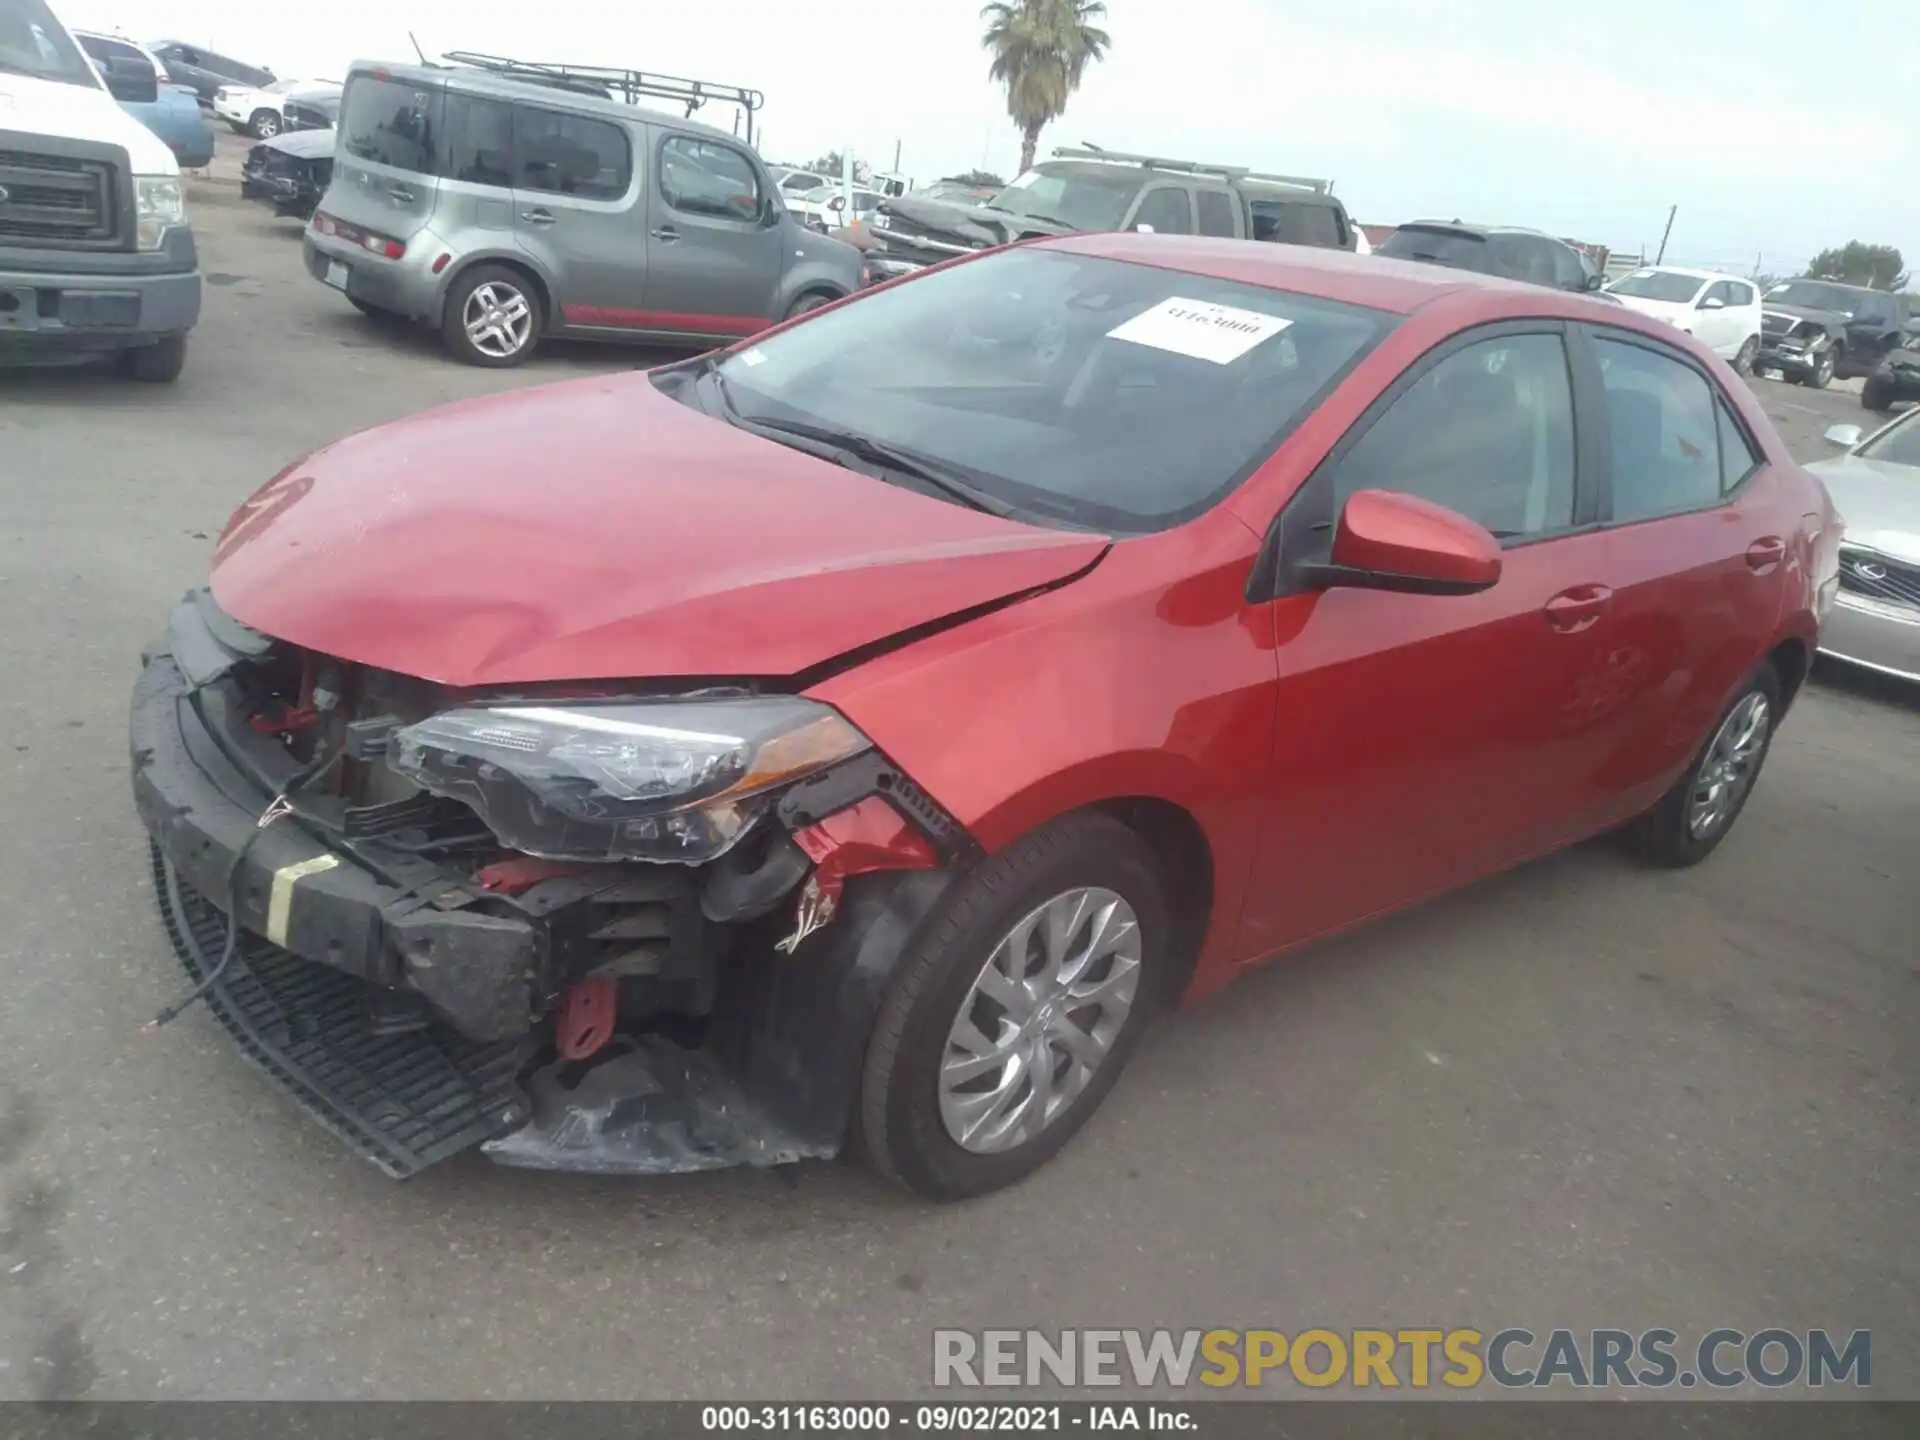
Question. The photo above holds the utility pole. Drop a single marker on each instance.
(896, 155)
(1665, 233)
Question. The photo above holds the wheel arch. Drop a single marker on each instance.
(1791, 659)
(507, 260)
(1184, 857)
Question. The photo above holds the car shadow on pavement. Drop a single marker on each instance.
(1857, 681)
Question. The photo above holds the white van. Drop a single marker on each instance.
(95, 254)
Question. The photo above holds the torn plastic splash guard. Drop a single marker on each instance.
(404, 1101)
(407, 1101)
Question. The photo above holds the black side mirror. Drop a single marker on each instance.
(1595, 282)
(130, 81)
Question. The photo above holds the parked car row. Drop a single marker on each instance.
(174, 112)
(262, 111)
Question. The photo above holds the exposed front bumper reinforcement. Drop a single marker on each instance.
(404, 1101)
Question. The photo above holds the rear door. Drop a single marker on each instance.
(1216, 211)
(716, 240)
(389, 155)
(1694, 549)
(577, 209)
(1422, 740)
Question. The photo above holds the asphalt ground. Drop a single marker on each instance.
(1582, 1094)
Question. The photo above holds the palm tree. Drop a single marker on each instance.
(1041, 50)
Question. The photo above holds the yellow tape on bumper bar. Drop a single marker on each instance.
(280, 901)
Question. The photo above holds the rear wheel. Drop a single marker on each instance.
(493, 317)
(159, 363)
(1743, 362)
(264, 125)
(1697, 814)
(1014, 1015)
(1877, 394)
(806, 303)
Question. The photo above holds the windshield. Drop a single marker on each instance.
(1094, 393)
(1436, 247)
(1079, 199)
(33, 43)
(1812, 295)
(1899, 443)
(1665, 285)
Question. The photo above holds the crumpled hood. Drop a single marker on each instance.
(974, 225)
(1831, 319)
(303, 144)
(599, 530)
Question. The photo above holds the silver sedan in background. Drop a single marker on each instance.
(1875, 620)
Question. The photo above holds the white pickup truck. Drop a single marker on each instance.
(96, 257)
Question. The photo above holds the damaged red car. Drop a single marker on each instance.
(845, 742)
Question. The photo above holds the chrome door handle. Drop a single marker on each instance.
(401, 193)
(537, 217)
(665, 232)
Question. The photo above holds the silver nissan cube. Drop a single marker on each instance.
(501, 211)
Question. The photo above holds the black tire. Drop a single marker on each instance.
(159, 363)
(265, 124)
(1665, 834)
(1743, 362)
(808, 302)
(1877, 395)
(1821, 375)
(453, 326)
(901, 1131)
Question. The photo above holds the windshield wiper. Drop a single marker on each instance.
(844, 444)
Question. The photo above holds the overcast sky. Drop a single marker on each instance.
(1776, 127)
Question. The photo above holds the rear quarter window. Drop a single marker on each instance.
(393, 123)
(1295, 222)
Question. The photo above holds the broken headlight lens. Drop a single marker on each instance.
(670, 779)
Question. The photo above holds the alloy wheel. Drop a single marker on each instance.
(1039, 1020)
(1731, 762)
(498, 319)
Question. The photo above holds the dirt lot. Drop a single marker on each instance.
(1582, 1094)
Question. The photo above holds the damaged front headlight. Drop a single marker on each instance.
(671, 779)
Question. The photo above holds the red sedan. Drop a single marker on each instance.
(850, 738)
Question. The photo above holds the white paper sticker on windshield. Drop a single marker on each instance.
(1021, 182)
(1200, 328)
(751, 357)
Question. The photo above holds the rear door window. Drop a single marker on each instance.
(1296, 222)
(1216, 211)
(479, 140)
(394, 123)
(571, 155)
(1168, 209)
(1663, 429)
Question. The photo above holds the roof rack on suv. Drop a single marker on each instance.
(629, 85)
(1191, 167)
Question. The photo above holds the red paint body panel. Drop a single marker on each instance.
(677, 320)
(1342, 753)
(868, 836)
(598, 530)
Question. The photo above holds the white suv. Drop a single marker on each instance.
(1721, 310)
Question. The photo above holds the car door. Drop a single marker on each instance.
(1694, 547)
(185, 65)
(1872, 332)
(1163, 209)
(717, 239)
(1422, 740)
(578, 210)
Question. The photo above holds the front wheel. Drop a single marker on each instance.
(159, 363)
(1743, 362)
(493, 317)
(1877, 395)
(1821, 375)
(264, 125)
(806, 303)
(1696, 815)
(1011, 1019)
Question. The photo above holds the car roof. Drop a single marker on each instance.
(1128, 170)
(1473, 230)
(486, 82)
(1692, 271)
(1398, 286)
(1837, 284)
